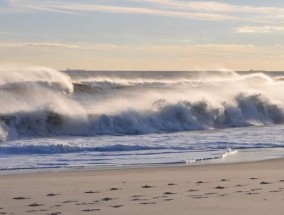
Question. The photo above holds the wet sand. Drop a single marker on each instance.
(240, 188)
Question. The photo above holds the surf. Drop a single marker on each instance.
(43, 102)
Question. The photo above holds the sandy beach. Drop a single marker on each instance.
(240, 188)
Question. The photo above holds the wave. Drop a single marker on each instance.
(102, 84)
(44, 102)
(69, 148)
(18, 79)
(98, 84)
(186, 116)
(245, 110)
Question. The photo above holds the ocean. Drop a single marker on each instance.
(107, 119)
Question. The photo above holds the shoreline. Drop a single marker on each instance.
(242, 156)
(235, 188)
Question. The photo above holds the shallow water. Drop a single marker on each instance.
(143, 150)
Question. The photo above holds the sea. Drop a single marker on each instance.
(79, 119)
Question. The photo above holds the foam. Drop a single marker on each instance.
(41, 102)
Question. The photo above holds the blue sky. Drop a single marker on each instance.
(143, 34)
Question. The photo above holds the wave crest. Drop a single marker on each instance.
(245, 110)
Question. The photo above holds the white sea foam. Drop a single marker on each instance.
(41, 102)
(229, 152)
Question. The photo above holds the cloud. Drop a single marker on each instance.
(171, 47)
(83, 46)
(79, 8)
(215, 6)
(90, 54)
(258, 14)
(265, 29)
(224, 50)
(196, 10)
(47, 45)
(136, 10)
(224, 46)
(168, 49)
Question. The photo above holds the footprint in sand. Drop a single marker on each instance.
(158, 197)
(114, 188)
(199, 197)
(31, 211)
(69, 201)
(256, 189)
(106, 199)
(20, 198)
(220, 188)
(35, 205)
(201, 182)
(90, 210)
(55, 213)
(169, 193)
(117, 206)
(147, 186)
(83, 203)
(275, 191)
(264, 183)
(253, 178)
(171, 184)
(135, 199)
(209, 194)
(251, 193)
(136, 196)
(148, 203)
(192, 190)
(90, 192)
(52, 194)
(224, 195)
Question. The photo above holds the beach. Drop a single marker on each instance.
(237, 188)
(148, 107)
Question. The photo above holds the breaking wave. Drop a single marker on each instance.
(45, 102)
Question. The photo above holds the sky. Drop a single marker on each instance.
(143, 34)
